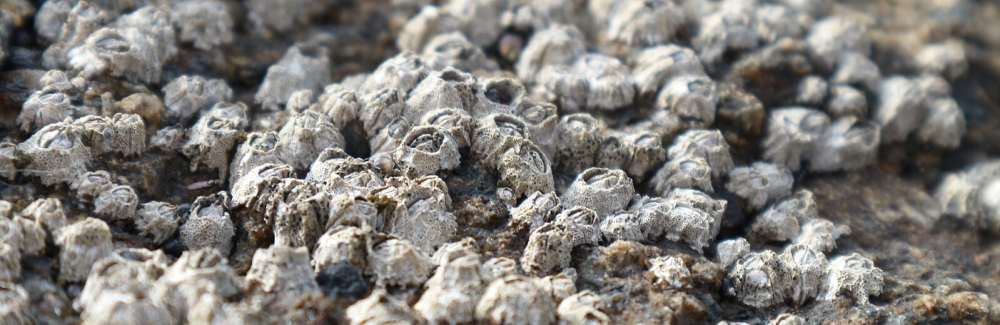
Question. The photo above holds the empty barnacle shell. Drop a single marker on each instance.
(497, 96)
(185, 96)
(341, 244)
(731, 250)
(208, 224)
(695, 218)
(707, 144)
(683, 172)
(515, 300)
(582, 308)
(214, 135)
(848, 144)
(494, 133)
(57, 154)
(945, 58)
(792, 133)
(400, 73)
(535, 210)
(562, 85)
(812, 90)
(381, 108)
(603, 190)
(441, 89)
(609, 82)
(622, 225)
(129, 137)
(732, 27)
(117, 203)
(337, 172)
(8, 160)
(304, 137)
(557, 45)
(854, 275)
(633, 25)
(426, 150)
(525, 169)
(453, 291)
(846, 100)
(380, 308)
(582, 222)
(657, 65)
(456, 121)
(453, 50)
(578, 140)
(820, 234)
(760, 183)
(760, 280)
(259, 149)
(302, 67)
(80, 245)
(44, 107)
(389, 137)
(944, 124)
(548, 249)
(834, 36)
(89, 184)
(280, 268)
(157, 220)
(857, 70)
(206, 24)
(397, 262)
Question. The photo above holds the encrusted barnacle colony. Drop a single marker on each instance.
(304, 137)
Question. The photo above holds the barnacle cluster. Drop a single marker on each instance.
(487, 161)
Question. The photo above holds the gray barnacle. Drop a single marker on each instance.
(69, 29)
(299, 101)
(494, 133)
(89, 184)
(380, 108)
(185, 96)
(269, 16)
(548, 249)
(683, 172)
(535, 210)
(125, 308)
(456, 121)
(98, 133)
(603, 190)
(732, 27)
(380, 308)
(760, 183)
(515, 300)
(582, 222)
(352, 210)
(400, 73)
(556, 45)
(760, 280)
(304, 137)
(582, 308)
(426, 223)
(525, 169)
(578, 141)
(478, 19)
(653, 215)
(335, 171)
(426, 150)
(497, 96)
(622, 225)
(128, 270)
(694, 219)
(609, 82)
(428, 23)
(852, 274)
(846, 101)
(500, 267)
(706, 144)
(259, 149)
(44, 107)
(80, 245)
(214, 135)
(208, 224)
(389, 137)
(644, 152)
(197, 276)
(116, 203)
(248, 189)
(731, 250)
(944, 124)
(780, 222)
(812, 90)
(633, 25)
(820, 234)
(776, 21)
(396, 262)
(342, 244)
(10, 257)
(298, 220)
(792, 133)
(441, 89)
(129, 136)
(126, 52)
(340, 104)
(832, 37)
(453, 50)
(562, 85)
(157, 220)
(847, 144)
(655, 66)
(857, 70)
(453, 291)
(280, 268)
(57, 154)
(454, 250)
(302, 67)
(206, 24)
(44, 215)
(541, 118)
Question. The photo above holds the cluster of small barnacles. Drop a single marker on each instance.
(607, 128)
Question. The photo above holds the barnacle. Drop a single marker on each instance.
(185, 96)
(302, 67)
(535, 210)
(556, 45)
(603, 190)
(44, 107)
(684, 172)
(400, 73)
(582, 308)
(695, 218)
(281, 269)
(733, 27)
(548, 249)
(57, 154)
(820, 234)
(793, 132)
(525, 168)
(257, 150)
(609, 82)
(731, 250)
(81, 244)
(214, 135)
(832, 37)
(448, 88)
(706, 144)
(780, 222)
(426, 150)
(760, 183)
(206, 24)
(8, 160)
(456, 121)
(691, 97)
(847, 144)
(455, 51)
(497, 96)
(670, 272)
(515, 300)
(453, 291)
(854, 275)
(380, 109)
(208, 224)
(631, 25)
(657, 65)
(117, 203)
(303, 138)
(582, 223)
(945, 58)
(578, 140)
(380, 308)
(760, 280)
(130, 270)
(158, 220)
(846, 101)
(89, 184)
(397, 262)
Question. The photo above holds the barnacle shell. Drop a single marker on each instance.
(80, 245)
(57, 154)
(854, 275)
(515, 300)
(426, 150)
(208, 224)
(603, 190)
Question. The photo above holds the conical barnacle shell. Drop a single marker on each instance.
(852, 274)
(304, 137)
(760, 183)
(400, 73)
(456, 121)
(578, 140)
(525, 168)
(80, 245)
(398, 262)
(632, 25)
(117, 203)
(515, 300)
(57, 154)
(556, 45)
(206, 24)
(792, 133)
(497, 96)
(258, 149)
(657, 65)
(158, 220)
(441, 89)
(604, 190)
(208, 224)
(426, 150)
(683, 172)
(303, 66)
(847, 144)
(44, 107)
(707, 144)
(214, 135)
(453, 50)
(185, 96)
(492, 134)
